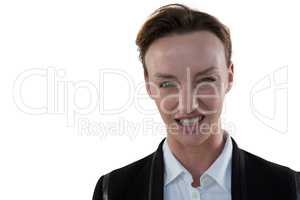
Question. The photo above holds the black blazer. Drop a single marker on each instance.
(253, 178)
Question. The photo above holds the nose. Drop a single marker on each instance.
(187, 100)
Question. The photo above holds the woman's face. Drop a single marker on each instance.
(188, 78)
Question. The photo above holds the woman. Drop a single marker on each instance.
(186, 55)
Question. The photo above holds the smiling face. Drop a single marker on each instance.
(188, 78)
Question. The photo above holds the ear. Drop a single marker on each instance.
(147, 82)
(230, 77)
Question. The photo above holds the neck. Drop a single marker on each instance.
(197, 159)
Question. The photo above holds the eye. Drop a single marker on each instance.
(208, 79)
(166, 84)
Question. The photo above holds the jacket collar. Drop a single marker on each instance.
(238, 186)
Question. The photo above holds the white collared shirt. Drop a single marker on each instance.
(215, 182)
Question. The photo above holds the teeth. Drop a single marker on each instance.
(187, 122)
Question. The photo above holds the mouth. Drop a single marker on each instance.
(189, 122)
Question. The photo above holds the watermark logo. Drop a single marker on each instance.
(62, 97)
(271, 91)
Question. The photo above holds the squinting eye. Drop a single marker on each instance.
(208, 79)
(166, 84)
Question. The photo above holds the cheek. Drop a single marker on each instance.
(211, 98)
(167, 103)
(212, 106)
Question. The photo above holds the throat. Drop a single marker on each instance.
(196, 182)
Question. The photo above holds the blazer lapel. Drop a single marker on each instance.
(238, 174)
(156, 189)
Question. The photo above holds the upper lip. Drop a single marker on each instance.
(188, 117)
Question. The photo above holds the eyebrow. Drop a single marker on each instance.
(170, 76)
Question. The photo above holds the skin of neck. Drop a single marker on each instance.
(197, 159)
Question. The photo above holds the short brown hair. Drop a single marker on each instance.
(179, 19)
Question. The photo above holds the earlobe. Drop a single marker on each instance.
(229, 87)
(230, 77)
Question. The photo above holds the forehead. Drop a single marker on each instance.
(197, 50)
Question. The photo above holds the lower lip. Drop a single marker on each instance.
(191, 128)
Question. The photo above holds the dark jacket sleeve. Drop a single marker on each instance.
(297, 177)
(98, 189)
(101, 189)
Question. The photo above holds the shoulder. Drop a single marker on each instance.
(259, 164)
(269, 176)
(122, 178)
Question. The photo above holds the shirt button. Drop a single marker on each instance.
(194, 195)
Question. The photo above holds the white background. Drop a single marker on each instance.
(51, 156)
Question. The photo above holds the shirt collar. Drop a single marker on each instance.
(219, 171)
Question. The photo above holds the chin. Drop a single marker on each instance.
(189, 139)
